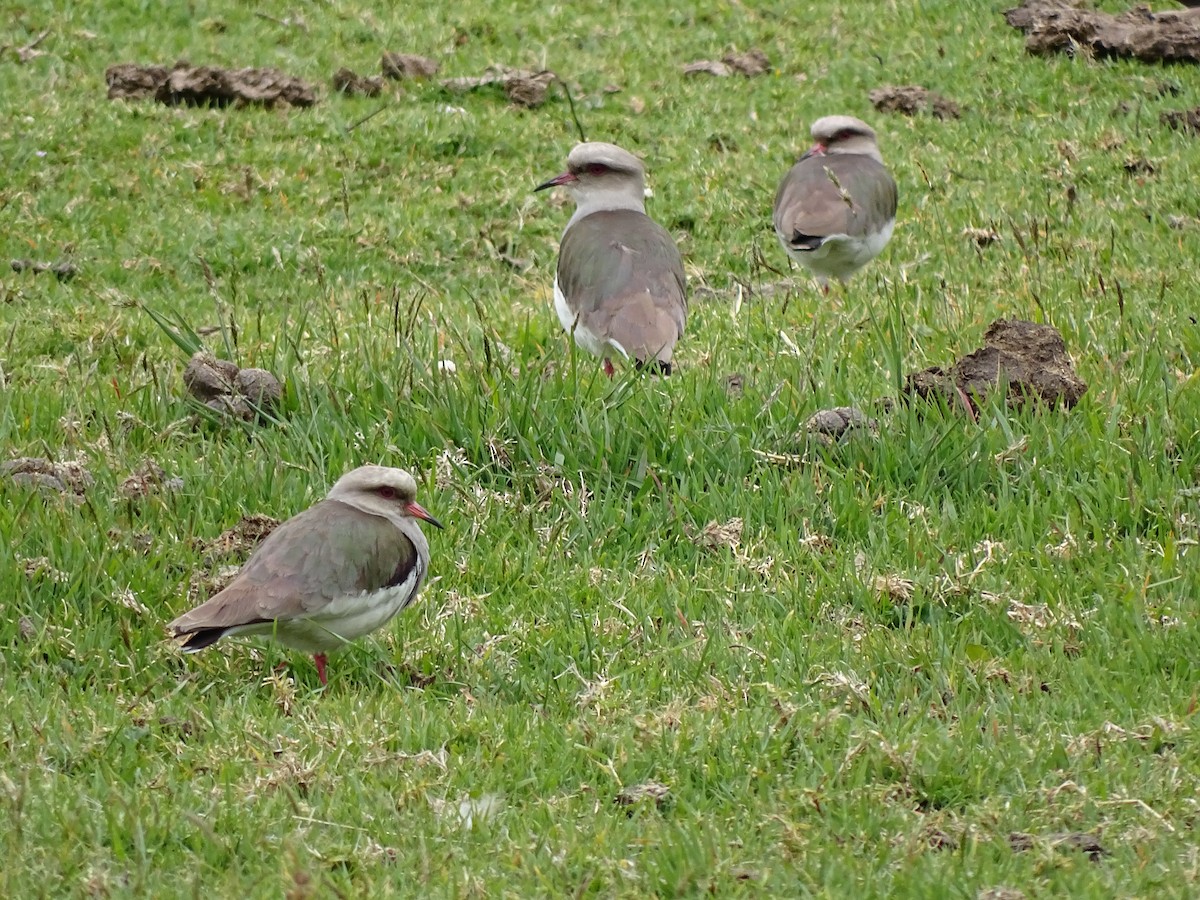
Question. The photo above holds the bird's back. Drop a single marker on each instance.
(330, 551)
(835, 194)
(622, 275)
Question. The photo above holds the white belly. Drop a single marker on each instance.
(341, 621)
(840, 255)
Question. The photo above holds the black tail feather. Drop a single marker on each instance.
(201, 638)
(802, 241)
(663, 368)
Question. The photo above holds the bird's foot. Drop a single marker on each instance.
(608, 367)
(321, 661)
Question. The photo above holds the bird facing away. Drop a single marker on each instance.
(619, 287)
(836, 207)
(336, 571)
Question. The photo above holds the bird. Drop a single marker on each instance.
(619, 287)
(332, 573)
(836, 207)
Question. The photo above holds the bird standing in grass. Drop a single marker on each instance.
(333, 573)
(836, 207)
(619, 288)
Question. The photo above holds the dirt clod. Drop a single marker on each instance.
(1061, 26)
(149, 478)
(224, 388)
(520, 86)
(129, 81)
(260, 387)
(1139, 165)
(239, 540)
(400, 66)
(1000, 893)
(188, 85)
(832, 425)
(207, 377)
(750, 64)
(982, 237)
(937, 839)
(63, 271)
(1030, 360)
(638, 793)
(348, 82)
(1075, 840)
(911, 99)
(716, 534)
(1182, 119)
(64, 477)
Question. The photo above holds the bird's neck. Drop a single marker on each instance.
(860, 147)
(603, 200)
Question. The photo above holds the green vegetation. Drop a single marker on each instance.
(916, 646)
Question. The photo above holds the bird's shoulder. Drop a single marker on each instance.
(331, 548)
(614, 252)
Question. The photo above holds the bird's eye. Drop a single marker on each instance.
(597, 169)
(386, 492)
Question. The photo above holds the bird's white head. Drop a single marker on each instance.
(844, 134)
(382, 491)
(602, 176)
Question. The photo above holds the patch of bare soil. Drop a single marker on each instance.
(223, 387)
(911, 99)
(1027, 360)
(751, 64)
(400, 66)
(348, 82)
(63, 271)
(185, 84)
(1061, 26)
(520, 86)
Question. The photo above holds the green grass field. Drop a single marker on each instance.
(915, 647)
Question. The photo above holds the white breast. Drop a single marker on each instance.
(347, 617)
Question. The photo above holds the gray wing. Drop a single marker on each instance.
(623, 276)
(328, 551)
(846, 194)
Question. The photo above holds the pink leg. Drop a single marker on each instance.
(608, 367)
(320, 660)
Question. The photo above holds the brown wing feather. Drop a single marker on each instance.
(626, 280)
(836, 194)
(327, 551)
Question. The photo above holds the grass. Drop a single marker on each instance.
(916, 646)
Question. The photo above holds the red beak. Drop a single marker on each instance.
(417, 511)
(814, 150)
(564, 178)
